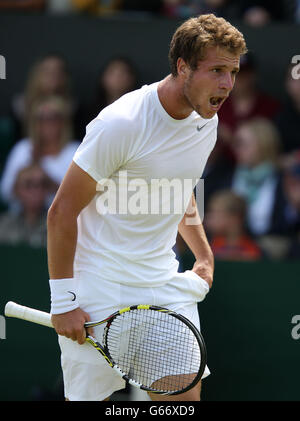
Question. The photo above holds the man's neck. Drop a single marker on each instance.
(170, 94)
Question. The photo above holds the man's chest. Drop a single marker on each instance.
(172, 155)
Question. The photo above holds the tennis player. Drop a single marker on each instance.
(114, 220)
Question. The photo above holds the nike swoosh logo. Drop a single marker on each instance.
(201, 127)
(74, 295)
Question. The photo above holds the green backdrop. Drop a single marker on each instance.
(246, 321)
(29, 356)
(245, 318)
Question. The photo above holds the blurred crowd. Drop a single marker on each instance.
(39, 137)
(251, 181)
(254, 12)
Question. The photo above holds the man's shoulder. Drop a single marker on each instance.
(126, 115)
(128, 107)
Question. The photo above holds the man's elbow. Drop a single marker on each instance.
(53, 216)
(59, 215)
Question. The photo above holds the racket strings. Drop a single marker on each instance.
(155, 349)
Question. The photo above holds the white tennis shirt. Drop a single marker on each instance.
(150, 163)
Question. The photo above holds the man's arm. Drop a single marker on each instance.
(191, 230)
(74, 194)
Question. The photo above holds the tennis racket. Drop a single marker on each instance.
(151, 347)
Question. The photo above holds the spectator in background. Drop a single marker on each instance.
(59, 6)
(49, 143)
(104, 7)
(23, 5)
(262, 12)
(253, 13)
(285, 241)
(181, 8)
(256, 177)
(287, 120)
(7, 137)
(225, 222)
(48, 76)
(28, 225)
(292, 208)
(118, 77)
(245, 102)
(228, 9)
(96, 7)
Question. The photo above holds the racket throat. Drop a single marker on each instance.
(99, 348)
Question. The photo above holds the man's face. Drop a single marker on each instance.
(206, 88)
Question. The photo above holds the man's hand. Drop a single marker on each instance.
(71, 324)
(205, 270)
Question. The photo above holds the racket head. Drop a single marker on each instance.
(144, 343)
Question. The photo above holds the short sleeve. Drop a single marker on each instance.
(105, 148)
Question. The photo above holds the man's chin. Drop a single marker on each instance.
(206, 114)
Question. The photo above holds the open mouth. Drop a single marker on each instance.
(216, 101)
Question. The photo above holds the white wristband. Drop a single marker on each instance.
(63, 295)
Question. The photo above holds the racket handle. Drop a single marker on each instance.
(25, 313)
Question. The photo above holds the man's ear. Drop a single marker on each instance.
(182, 67)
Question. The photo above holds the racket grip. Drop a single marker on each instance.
(25, 313)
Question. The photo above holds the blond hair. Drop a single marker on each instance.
(34, 90)
(267, 137)
(57, 104)
(195, 35)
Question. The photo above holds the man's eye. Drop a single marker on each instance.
(217, 70)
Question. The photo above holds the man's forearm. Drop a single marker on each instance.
(192, 231)
(62, 239)
(195, 238)
(68, 320)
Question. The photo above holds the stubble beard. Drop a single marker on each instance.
(187, 96)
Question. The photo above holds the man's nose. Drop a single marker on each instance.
(227, 82)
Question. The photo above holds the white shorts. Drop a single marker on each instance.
(87, 376)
